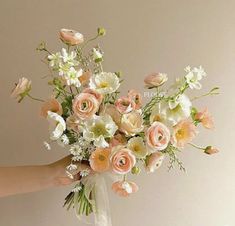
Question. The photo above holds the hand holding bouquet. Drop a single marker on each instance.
(114, 135)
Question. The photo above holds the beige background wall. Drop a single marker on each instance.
(142, 36)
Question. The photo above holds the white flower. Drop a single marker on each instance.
(47, 145)
(194, 76)
(72, 77)
(97, 55)
(77, 188)
(54, 60)
(76, 150)
(137, 146)
(105, 82)
(69, 58)
(127, 187)
(85, 172)
(72, 167)
(57, 125)
(98, 128)
(179, 109)
(63, 140)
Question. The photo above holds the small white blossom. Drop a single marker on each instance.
(54, 60)
(69, 58)
(57, 125)
(47, 145)
(63, 140)
(97, 55)
(71, 167)
(77, 188)
(75, 149)
(127, 187)
(85, 172)
(194, 76)
(72, 77)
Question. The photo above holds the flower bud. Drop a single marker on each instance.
(135, 170)
(211, 150)
(101, 31)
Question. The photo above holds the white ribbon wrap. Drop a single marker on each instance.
(97, 194)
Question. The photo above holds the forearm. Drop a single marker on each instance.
(23, 179)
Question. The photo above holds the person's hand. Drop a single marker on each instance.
(59, 175)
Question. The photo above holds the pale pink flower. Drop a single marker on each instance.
(71, 37)
(132, 123)
(124, 188)
(73, 123)
(136, 97)
(125, 105)
(155, 80)
(211, 150)
(21, 88)
(52, 105)
(113, 112)
(205, 118)
(97, 95)
(85, 78)
(85, 105)
(118, 139)
(158, 137)
(122, 160)
(99, 160)
(154, 161)
(184, 132)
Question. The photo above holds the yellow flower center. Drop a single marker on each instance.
(103, 85)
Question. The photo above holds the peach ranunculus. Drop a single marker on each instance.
(124, 188)
(113, 112)
(136, 97)
(154, 161)
(97, 95)
(118, 139)
(100, 160)
(85, 105)
(132, 123)
(21, 89)
(205, 118)
(158, 137)
(85, 78)
(52, 105)
(73, 123)
(211, 150)
(155, 80)
(122, 160)
(71, 37)
(125, 105)
(184, 132)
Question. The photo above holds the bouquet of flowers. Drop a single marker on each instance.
(114, 135)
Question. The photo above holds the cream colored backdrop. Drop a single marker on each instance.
(142, 36)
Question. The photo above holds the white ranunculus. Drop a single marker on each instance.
(193, 77)
(57, 125)
(105, 82)
(98, 128)
(72, 77)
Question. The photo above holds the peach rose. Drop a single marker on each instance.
(136, 97)
(85, 78)
(157, 136)
(97, 95)
(183, 133)
(52, 105)
(73, 123)
(132, 123)
(154, 161)
(71, 37)
(211, 150)
(111, 110)
(122, 160)
(205, 118)
(155, 80)
(118, 139)
(85, 105)
(124, 188)
(21, 89)
(124, 105)
(99, 160)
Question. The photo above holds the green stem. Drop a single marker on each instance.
(196, 146)
(33, 98)
(88, 41)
